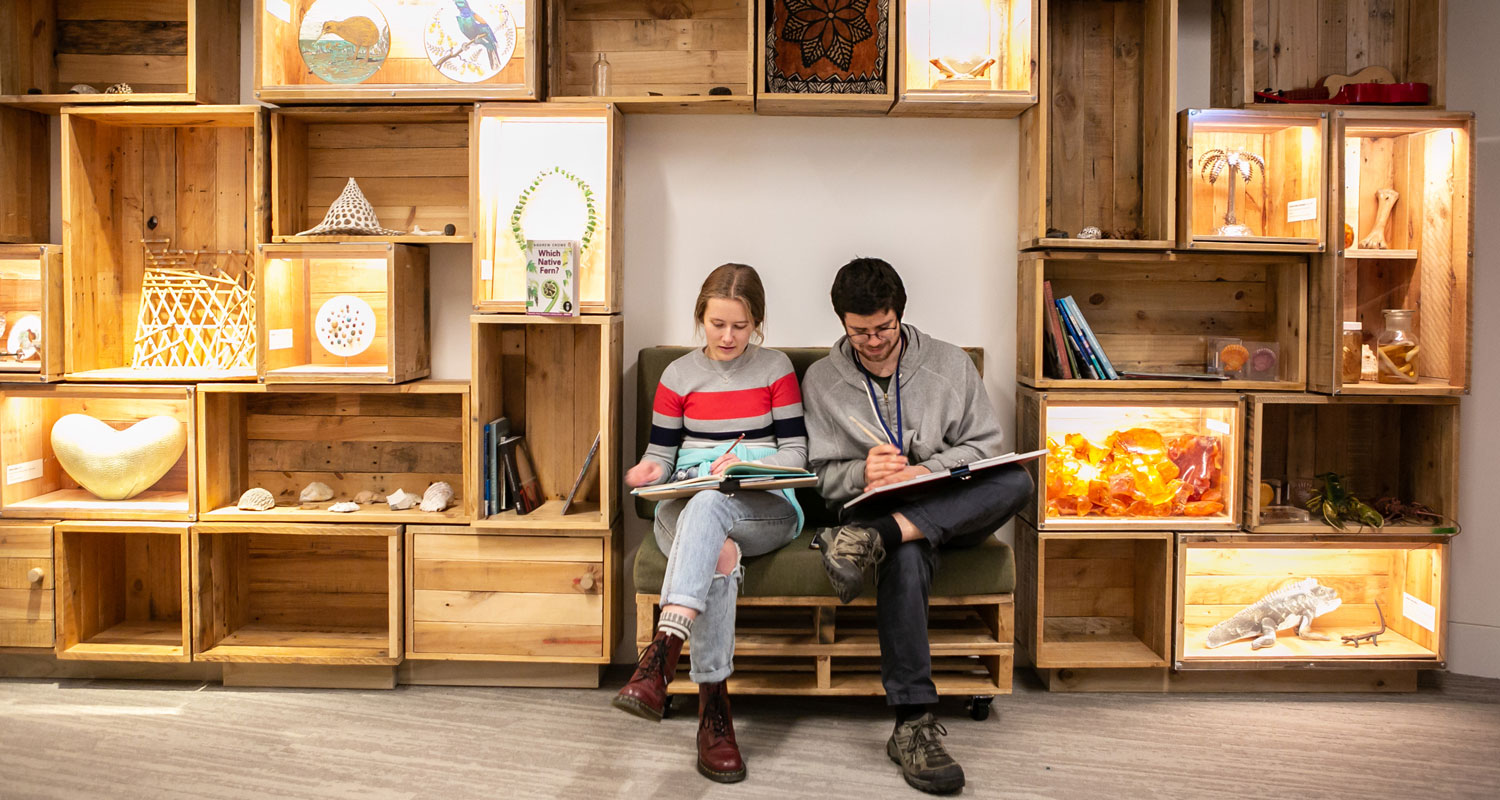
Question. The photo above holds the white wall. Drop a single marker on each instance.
(797, 197)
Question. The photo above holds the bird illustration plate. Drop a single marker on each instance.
(344, 41)
(345, 325)
(25, 338)
(471, 40)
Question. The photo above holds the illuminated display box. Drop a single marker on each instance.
(967, 58)
(31, 313)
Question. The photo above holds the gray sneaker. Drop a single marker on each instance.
(924, 761)
(847, 554)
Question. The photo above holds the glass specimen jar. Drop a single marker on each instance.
(1396, 349)
(1353, 337)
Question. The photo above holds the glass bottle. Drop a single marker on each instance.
(601, 76)
(1353, 338)
(1396, 349)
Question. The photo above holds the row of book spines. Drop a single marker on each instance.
(499, 480)
(1075, 348)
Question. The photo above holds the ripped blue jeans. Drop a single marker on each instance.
(692, 532)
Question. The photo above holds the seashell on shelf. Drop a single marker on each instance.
(315, 492)
(400, 500)
(120, 88)
(82, 88)
(367, 497)
(344, 507)
(256, 499)
(437, 497)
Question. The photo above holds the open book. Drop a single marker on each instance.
(947, 474)
(739, 475)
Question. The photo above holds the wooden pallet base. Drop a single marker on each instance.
(1165, 681)
(308, 676)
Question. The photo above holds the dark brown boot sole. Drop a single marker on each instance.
(721, 777)
(636, 707)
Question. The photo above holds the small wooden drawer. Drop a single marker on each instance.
(26, 617)
(507, 598)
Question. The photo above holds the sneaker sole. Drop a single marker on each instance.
(931, 787)
(634, 707)
(845, 592)
(720, 777)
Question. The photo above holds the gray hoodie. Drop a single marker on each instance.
(947, 414)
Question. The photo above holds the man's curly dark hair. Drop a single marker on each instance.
(867, 286)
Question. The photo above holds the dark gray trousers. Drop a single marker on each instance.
(955, 515)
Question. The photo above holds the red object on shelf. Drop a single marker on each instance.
(1358, 94)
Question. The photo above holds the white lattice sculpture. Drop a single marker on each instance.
(197, 309)
(350, 215)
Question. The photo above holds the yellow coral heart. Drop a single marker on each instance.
(117, 465)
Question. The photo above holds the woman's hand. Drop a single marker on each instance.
(882, 460)
(643, 474)
(722, 462)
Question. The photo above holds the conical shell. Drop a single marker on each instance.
(257, 499)
(400, 500)
(344, 507)
(316, 492)
(437, 497)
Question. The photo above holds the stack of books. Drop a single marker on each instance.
(1071, 349)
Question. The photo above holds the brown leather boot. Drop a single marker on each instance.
(718, 753)
(646, 694)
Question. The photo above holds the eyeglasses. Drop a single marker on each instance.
(883, 332)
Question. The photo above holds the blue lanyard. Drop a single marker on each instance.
(874, 402)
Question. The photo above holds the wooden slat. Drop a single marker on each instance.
(501, 640)
(460, 547)
(506, 576)
(507, 608)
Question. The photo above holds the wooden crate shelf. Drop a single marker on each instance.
(1097, 150)
(1294, 44)
(1005, 30)
(785, 84)
(192, 175)
(476, 596)
(123, 591)
(558, 383)
(663, 57)
(1159, 313)
(26, 584)
(39, 488)
(519, 147)
(298, 280)
(1428, 159)
(404, 73)
(411, 163)
(1283, 204)
(25, 182)
(1215, 420)
(169, 51)
(352, 438)
(31, 285)
(1402, 447)
(1094, 600)
(814, 646)
(297, 594)
(1219, 575)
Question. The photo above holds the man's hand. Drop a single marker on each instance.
(882, 460)
(898, 476)
(722, 462)
(643, 474)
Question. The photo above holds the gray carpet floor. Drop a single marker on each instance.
(74, 739)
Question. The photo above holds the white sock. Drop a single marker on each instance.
(676, 624)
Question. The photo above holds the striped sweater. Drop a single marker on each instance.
(703, 405)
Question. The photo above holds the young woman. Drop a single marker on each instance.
(730, 401)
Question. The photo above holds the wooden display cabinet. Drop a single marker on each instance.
(1199, 436)
(1295, 44)
(123, 591)
(37, 487)
(1427, 264)
(297, 594)
(1403, 581)
(31, 300)
(558, 384)
(663, 57)
(546, 173)
(1098, 148)
(551, 597)
(1282, 206)
(311, 293)
(168, 51)
(351, 438)
(1160, 313)
(1399, 447)
(962, 36)
(397, 66)
(25, 182)
(411, 163)
(189, 176)
(799, 96)
(1094, 600)
(26, 584)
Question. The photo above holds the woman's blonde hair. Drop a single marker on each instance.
(733, 282)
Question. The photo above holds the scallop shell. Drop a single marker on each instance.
(400, 500)
(367, 497)
(344, 507)
(120, 88)
(256, 499)
(1091, 232)
(315, 492)
(437, 497)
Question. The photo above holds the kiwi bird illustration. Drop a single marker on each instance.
(362, 32)
(473, 26)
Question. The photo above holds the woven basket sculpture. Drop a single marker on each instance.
(197, 309)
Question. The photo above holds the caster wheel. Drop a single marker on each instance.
(979, 708)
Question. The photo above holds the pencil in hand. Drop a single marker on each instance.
(876, 439)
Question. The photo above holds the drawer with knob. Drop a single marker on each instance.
(26, 610)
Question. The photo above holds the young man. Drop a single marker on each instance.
(924, 400)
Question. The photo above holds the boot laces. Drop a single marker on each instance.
(716, 714)
(925, 736)
(653, 661)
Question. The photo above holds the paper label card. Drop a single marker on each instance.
(280, 339)
(21, 473)
(1302, 210)
(1216, 426)
(1419, 611)
(486, 269)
